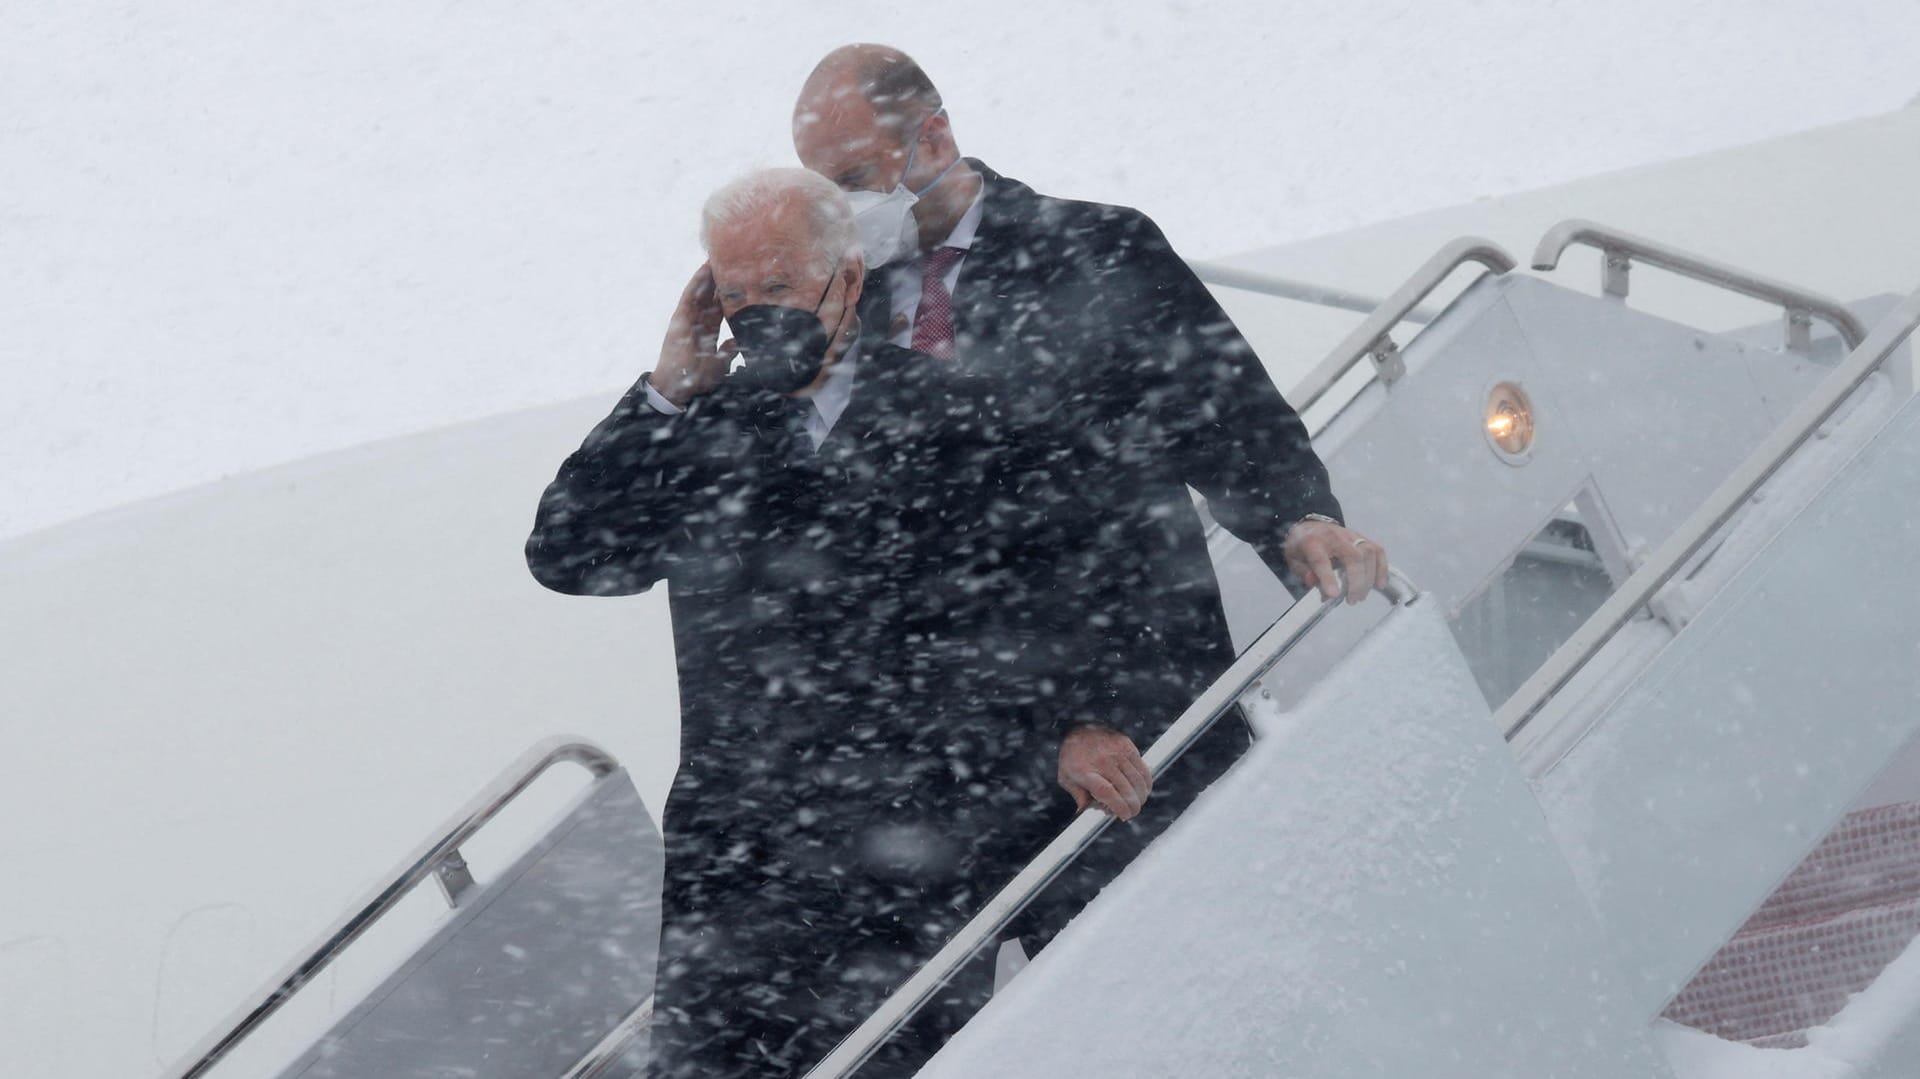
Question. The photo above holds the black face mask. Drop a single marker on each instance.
(784, 347)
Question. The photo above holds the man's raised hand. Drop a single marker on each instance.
(1099, 764)
(1315, 548)
(690, 364)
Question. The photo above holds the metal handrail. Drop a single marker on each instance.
(1619, 250)
(1666, 561)
(615, 1044)
(1287, 288)
(1371, 338)
(438, 857)
(1279, 639)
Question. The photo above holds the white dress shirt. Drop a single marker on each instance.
(903, 279)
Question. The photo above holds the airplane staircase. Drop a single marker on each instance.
(1495, 826)
(546, 969)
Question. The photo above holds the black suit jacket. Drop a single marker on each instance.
(1088, 324)
(848, 623)
(889, 632)
(869, 639)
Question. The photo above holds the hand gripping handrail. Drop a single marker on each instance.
(438, 857)
(1719, 507)
(1371, 338)
(1287, 288)
(1620, 249)
(1279, 639)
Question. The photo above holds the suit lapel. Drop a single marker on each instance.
(782, 427)
(981, 274)
(872, 385)
(997, 293)
(876, 305)
(990, 276)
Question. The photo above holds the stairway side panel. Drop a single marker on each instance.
(534, 967)
(1742, 744)
(1373, 892)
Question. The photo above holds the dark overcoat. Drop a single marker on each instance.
(1084, 311)
(880, 643)
(874, 642)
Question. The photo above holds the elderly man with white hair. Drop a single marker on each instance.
(873, 593)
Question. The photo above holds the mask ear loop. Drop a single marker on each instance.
(825, 292)
(833, 335)
(936, 180)
(914, 150)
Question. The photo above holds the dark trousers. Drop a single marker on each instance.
(777, 951)
(1122, 841)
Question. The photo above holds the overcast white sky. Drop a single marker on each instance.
(233, 234)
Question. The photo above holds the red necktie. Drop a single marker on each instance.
(933, 322)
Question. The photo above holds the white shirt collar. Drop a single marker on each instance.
(830, 400)
(968, 226)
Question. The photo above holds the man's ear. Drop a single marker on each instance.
(855, 272)
(938, 131)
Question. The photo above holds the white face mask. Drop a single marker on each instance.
(885, 218)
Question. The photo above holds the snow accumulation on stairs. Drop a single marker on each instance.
(1376, 856)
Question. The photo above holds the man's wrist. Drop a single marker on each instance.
(657, 398)
(1319, 518)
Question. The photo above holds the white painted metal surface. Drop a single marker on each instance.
(1372, 893)
(1636, 418)
(1855, 395)
(258, 697)
(1745, 740)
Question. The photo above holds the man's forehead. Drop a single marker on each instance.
(836, 120)
(774, 242)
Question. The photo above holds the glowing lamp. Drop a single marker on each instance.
(1509, 422)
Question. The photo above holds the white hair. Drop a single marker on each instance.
(834, 234)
